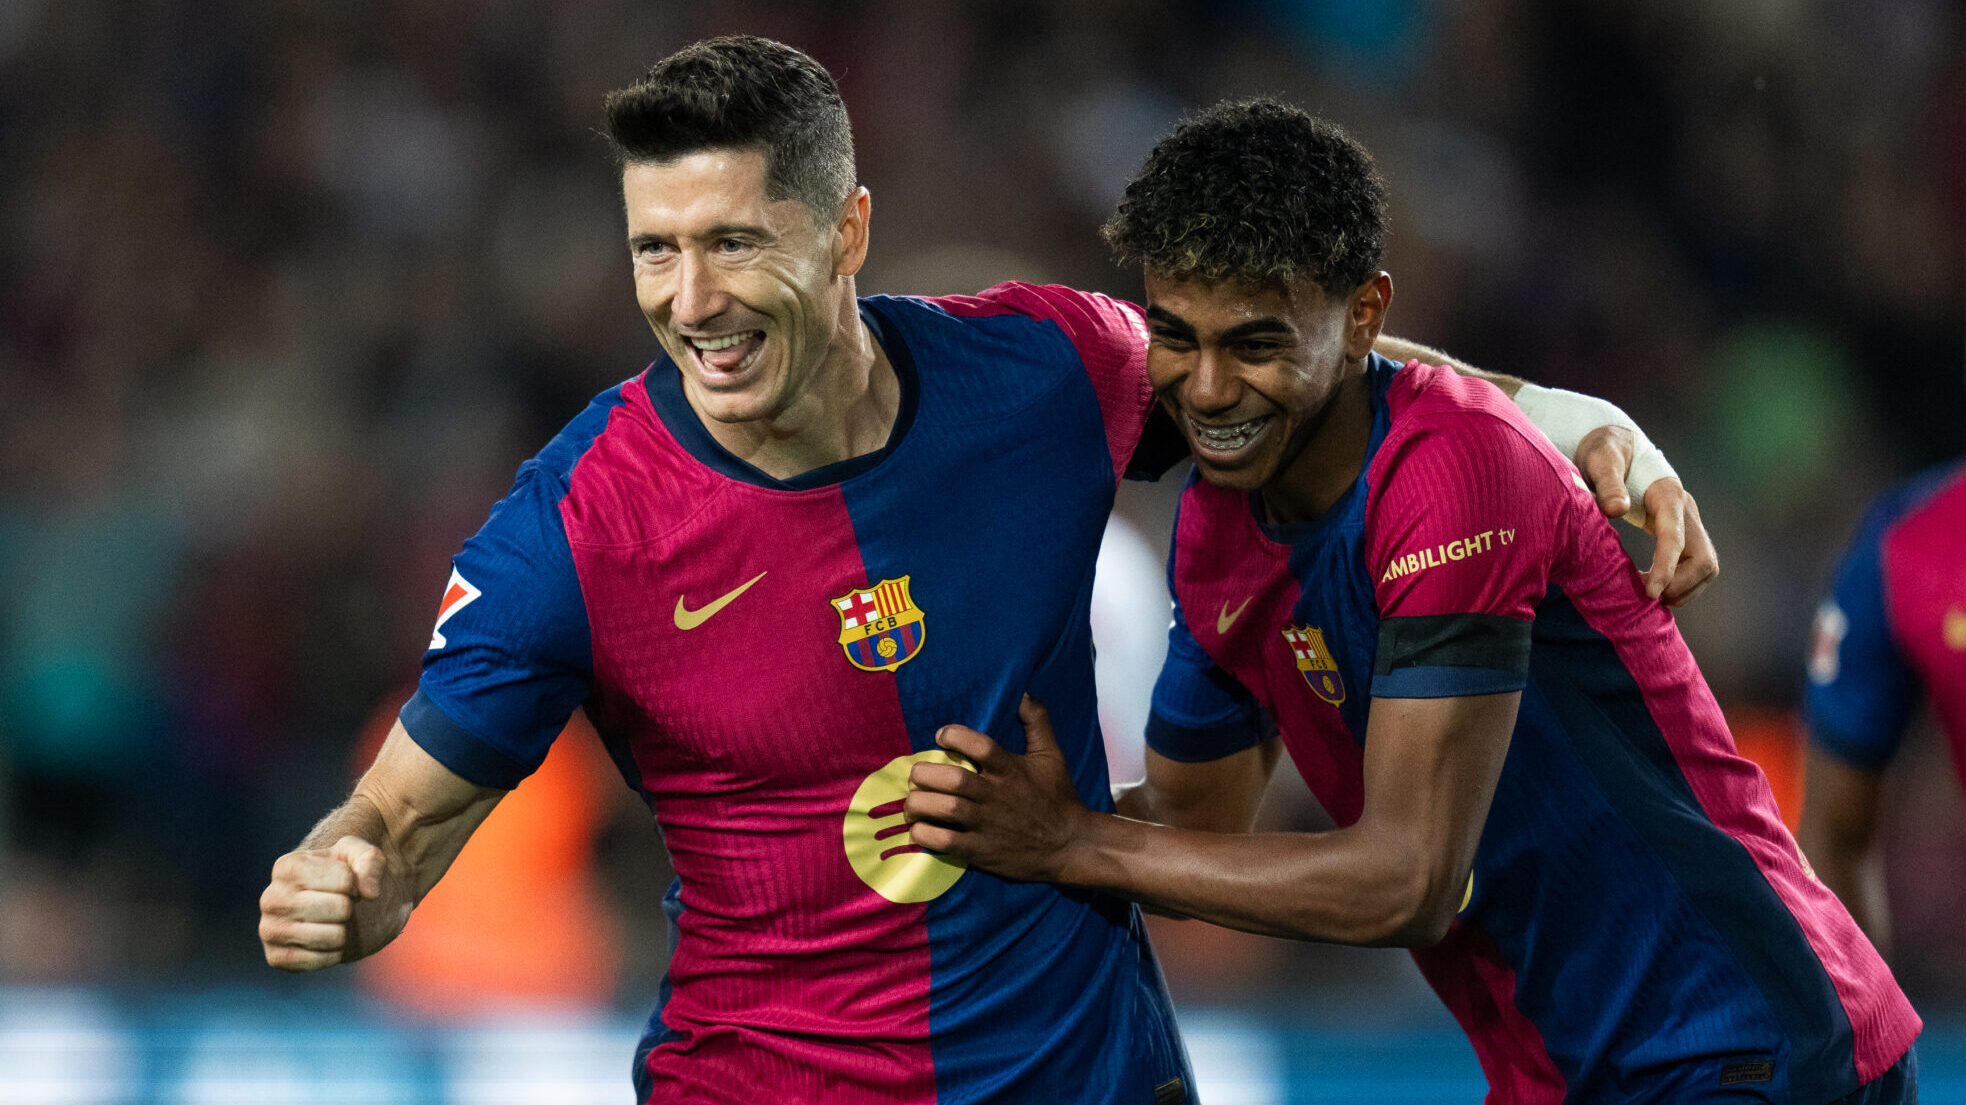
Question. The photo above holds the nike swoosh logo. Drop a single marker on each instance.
(1226, 618)
(690, 619)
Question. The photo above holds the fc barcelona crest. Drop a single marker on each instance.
(1315, 663)
(880, 627)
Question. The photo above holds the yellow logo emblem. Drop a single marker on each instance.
(690, 619)
(1314, 662)
(876, 833)
(881, 627)
(1955, 629)
(1224, 618)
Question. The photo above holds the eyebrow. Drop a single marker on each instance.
(1252, 328)
(721, 230)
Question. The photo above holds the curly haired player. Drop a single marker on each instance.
(1534, 787)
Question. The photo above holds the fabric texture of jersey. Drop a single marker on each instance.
(1639, 926)
(767, 659)
(1894, 626)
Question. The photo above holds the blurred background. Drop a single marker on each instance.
(289, 290)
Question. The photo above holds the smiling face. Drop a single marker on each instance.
(1249, 372)
(745, 293)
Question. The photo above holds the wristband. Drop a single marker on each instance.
(1566, 416)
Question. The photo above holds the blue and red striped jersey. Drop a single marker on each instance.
(1894, 626)
(767, 659)
(1639, 926)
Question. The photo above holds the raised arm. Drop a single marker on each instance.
(349, 887)
(1627, 473)
(1396, 876)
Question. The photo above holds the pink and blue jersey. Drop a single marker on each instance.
(767, 659)
(1894, 626)
(1639, 925)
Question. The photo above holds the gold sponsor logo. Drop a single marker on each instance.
(876, 835)
(1447, 552)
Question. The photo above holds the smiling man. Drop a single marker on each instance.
(770, 567)
(1386, 563)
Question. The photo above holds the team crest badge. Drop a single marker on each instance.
(881, 627)
(1315, 663)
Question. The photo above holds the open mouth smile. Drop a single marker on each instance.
(727, 355)
(1228, 439)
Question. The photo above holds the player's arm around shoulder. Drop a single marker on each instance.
(1626, 472)
(349, 887)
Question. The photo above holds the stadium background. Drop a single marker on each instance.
(289, 289)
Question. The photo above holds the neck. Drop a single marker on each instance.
(1331, 458)
(847, 409)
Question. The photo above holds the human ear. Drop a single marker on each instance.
(850, 233)
(1369, 303)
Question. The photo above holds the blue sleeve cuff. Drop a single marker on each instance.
(1191, 745)
(458, 748)
(1422, 681)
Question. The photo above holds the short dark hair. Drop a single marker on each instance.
(1254, 191)
(742, 91)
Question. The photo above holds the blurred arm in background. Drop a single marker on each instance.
(1838, 834)
(1890, 634)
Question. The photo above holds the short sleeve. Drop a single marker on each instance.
(510, 657)
(1861, 691)
(1460, 536)
(1200, 711)
(1110, 336)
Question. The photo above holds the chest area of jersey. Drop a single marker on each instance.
(1295, 624)
(1925, 590)
(848, 622)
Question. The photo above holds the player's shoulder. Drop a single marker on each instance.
(1916, 521)
(1082, 316)
(555, 463)
(617, 474)
(1434, 410)
(1936, 495)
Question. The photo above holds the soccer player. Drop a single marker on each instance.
(1535, 788)
(1893, 627)
(769, 567)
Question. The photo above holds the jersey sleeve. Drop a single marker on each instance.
(1460, 537)
(1861, 691)
(510, 657)
(1111, 338)
(1200, 712)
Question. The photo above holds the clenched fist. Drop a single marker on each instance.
(327, 906)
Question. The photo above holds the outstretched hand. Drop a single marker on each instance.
(1683, 556)
(1015, 816)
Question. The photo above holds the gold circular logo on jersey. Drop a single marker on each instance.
(877, 843)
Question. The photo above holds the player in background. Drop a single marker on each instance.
(1534, 787)
(1893, 629)
(769, 567)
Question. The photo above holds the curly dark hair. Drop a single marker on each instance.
(1254, 191)
(742, 91)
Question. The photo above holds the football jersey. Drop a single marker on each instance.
(767, 659)
(1638, 924)
(1894, 626)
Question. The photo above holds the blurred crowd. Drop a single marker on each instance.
(289, 289)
